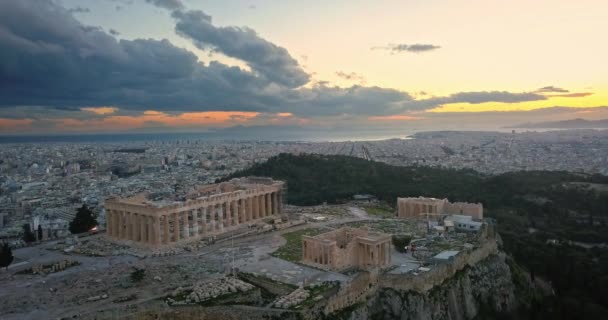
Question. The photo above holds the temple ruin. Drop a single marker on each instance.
(347, 248)
(154, 220)
(414, 207)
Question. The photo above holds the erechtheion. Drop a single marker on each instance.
(347, 248)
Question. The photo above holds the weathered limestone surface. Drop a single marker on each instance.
(487, 283)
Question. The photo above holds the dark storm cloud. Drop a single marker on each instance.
(264, 57)
(414, 48)
(51, 61)
(167, 4)
(114, 32)
(357, 100)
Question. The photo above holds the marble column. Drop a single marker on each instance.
(262, 199)
(150, 230)
(120, 228)
(249, 213)
(195, 223)
(134, 236)
(204, 220)
(111, 228)
(228, 211)
(136, 233)
(156, 230)
(186, 225)
(117, 224)
(220, 217)
(166, 235)
(255, 205)
(109, 223)
(275, 203)
(176, 227)
(242, 216)
(112, 224)
(235, 212)
(268, 204)
(212, 212)
(142, 228)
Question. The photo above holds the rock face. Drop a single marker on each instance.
(486, 287)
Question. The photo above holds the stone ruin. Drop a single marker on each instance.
(293, 299)
(207, 290)
(55, 267)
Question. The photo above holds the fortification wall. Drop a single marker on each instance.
(439, 273)
(358, 289)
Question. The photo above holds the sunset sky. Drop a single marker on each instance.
(71, 66)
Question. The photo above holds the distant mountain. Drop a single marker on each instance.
(565, 124)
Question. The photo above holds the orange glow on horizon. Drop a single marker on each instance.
(152, 118)
(14, 124)
(398, 117)
(100, 110)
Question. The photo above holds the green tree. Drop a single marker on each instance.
(28, 235)
(138, 274)
(83, 221)
(6, 256)
(39, 232)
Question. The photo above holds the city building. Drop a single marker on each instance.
(414, 207)
(347, 248)
(154, 220)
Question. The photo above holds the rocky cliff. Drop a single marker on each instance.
(485, 288)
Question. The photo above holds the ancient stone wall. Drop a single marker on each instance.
(439, 273)
(358, 289)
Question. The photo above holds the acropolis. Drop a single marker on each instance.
(414, 207)
(152, 221)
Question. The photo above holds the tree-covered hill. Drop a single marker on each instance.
(313, 179)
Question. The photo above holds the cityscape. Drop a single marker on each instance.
(395, 159)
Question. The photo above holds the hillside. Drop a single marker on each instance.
(530, 208)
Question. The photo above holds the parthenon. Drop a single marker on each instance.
(347, 248)
(152, 220)
(413, 207)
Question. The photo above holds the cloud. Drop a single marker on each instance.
(114, 32)
(79, 10)
(398, 117)
(167, 4)
(571, 95)
(414, 48)
(54, 60)
(551, 89)
(264, 57)
(475, 98)
(54, 67)
(353, 76)
(100, 110)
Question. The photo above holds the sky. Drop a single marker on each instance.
(120, 66)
